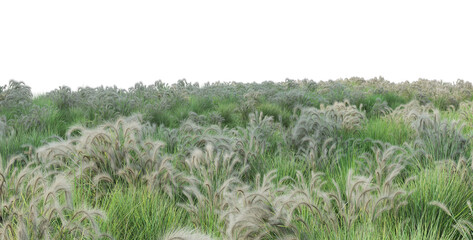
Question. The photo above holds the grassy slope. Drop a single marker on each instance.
(136, 213)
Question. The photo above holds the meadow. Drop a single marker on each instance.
(339, 159)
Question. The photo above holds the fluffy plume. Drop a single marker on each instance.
(186, 234)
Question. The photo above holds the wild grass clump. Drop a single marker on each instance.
(213, 119)
(192, 135)
(352, 169)
(384, 157)
(36, 118)
(326, 122)
(115, 153)
(335, 209)
(186, 234)
(311, 123)
(257, 138)
(442, 183)
(104, 104)
(262, 212)
(348, 117)
(5, 130)
(363, 199)
(292, 98)
(265, 210)
(214, 165)
(411, 111)
(387, 130)
(380, 108)
(139, 213)
(317, 132)
(64, 99)
(320, 156)
(239, 211)
(16, 103)
(170, 136)
(211, 172)
(466, 112)
(442, 139)
(439, 139)
(38, 205)
(16, 97)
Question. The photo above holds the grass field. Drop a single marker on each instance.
(344, 159)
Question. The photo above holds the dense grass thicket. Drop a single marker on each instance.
(344, 159)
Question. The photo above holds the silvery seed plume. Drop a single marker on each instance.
(114, 152)
(443, 139)
(319, 155)
(381, 108)
(186, 234)
(261, 213)
(348, 116)
(37, 205)
(410, 111)
(6, 131)
(466, 109)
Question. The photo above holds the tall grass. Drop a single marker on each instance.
(344, 159)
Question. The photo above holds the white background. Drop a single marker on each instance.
(47, 44)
